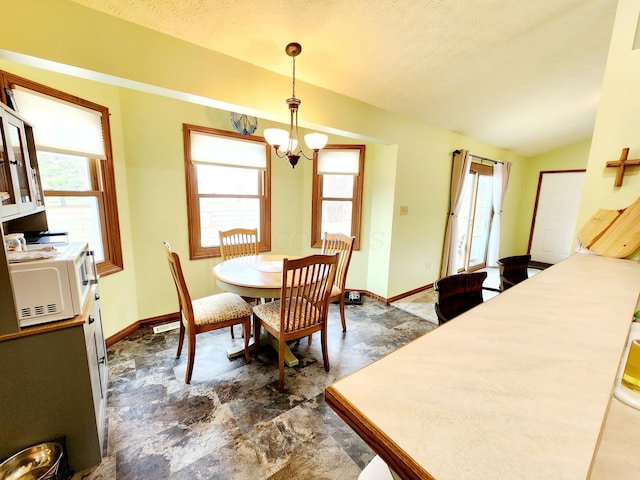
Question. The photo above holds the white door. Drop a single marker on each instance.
(556, 212)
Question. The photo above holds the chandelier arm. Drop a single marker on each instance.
(294, 124)
(312, 157)
(293, 114)
(279, 154)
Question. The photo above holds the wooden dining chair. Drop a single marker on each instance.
(457, 294)
(339, 243)
(238, 242)
(302, 308)
(205, 314)
(513, 270)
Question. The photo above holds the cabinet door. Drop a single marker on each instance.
(8, 201)
(97, 358)
(17, 182)
(22, 174)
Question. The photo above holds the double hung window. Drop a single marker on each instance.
(228, 186)
(337, 192)
(73, 147)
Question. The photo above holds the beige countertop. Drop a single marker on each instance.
(517, 388)
(618, 456)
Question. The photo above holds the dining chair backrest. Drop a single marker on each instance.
(343, 244)
(238, 242)
(304, 298)
(513, 270)
(184, 298)
(457, 294)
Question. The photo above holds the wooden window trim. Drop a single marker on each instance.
(356, 200)
(196, 251)
(113, 261)
(482, 168)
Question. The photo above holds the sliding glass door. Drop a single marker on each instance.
(474, 221)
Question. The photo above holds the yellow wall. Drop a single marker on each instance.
(164, 82)
(570, 157)
(618, 120)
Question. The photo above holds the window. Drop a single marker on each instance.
(337, 192)
(474, 221)
(228, 186)
(73, 144)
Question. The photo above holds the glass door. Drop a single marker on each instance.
(474, 220)
(20, 161)
(6, 185)
(16, 175)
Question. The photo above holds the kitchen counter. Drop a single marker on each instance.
(519, 387)
(46, 327)
(618, 456)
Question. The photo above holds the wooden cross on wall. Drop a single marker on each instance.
(621, 165)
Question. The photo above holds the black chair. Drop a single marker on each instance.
(513, 270)
(457, 294)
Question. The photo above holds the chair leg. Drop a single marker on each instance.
(344, 322)
(281, 343)
(180, 339)
(325, 351)
(256, 333)
(232, 334)
(246, 326)
(191, 356)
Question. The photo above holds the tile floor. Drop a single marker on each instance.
(231, 422)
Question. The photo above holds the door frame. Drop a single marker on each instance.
(535, 207)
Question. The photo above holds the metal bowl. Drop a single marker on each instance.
(39, 462)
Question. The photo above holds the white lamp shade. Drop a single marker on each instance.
(315, 141)
(276, 136)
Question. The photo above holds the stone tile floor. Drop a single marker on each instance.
(231, 422)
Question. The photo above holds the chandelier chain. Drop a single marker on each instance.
(294, 77)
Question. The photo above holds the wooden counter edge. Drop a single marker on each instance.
(396, 458)
(51, 326)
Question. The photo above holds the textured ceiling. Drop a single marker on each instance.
(519, 74)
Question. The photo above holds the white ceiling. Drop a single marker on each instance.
(520, 74)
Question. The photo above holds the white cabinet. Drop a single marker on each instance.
(20, 192)
(97, 362)
(53, 383)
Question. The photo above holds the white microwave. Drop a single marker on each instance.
(54, 288)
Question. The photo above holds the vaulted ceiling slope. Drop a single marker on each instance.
(522, 75)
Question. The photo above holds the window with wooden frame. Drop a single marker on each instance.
(228, 186)
(73, 144)
(337, 192)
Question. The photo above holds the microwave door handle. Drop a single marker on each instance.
(90, 266)
(83, 271)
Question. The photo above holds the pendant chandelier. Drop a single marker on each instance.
(285, 143)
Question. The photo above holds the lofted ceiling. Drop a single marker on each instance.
(522, 75)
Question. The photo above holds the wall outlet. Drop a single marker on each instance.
(404, 210)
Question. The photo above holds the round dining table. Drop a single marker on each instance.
(254, 276)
